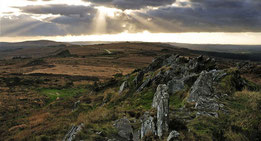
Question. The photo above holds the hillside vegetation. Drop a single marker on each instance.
(175, 97)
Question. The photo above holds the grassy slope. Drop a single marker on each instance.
(241, 122)
(99, 109)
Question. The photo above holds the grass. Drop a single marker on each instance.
(241, 122)
(177, 100)
(142, 100)
(228, 84)
(97, 120)
(53, 94)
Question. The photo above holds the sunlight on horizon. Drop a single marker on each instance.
(248, 38)
(194, 38)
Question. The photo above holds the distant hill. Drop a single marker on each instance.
(242, 49)
(27, 49)
(43, 48)
(38, 43)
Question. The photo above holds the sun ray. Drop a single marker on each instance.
(148, 23)
(18, 30)
(99, 23)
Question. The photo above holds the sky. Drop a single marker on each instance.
(185, 21)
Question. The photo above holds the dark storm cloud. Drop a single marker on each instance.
(73, 15)
(190, 16)
(131, 4)
(209, 16)
(60, 9)
(227, 3)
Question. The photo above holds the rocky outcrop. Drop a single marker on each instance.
(203, 94)
(202, 87)
(179, 70)
(148, 126)
(174, 75)
(123, 86)
(159, 125)
(161, 94)
(200, 63)
(157, 63)
(162, 105)
(73, 132)
(125, 129)
(173, 135)
(171, 59)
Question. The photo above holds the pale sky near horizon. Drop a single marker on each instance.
(184, 21)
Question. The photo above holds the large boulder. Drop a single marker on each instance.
(202, 87)
(161, 103)
(125, 129)
(203, 92)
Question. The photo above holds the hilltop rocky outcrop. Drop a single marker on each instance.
(199, 76)
(174, 98)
